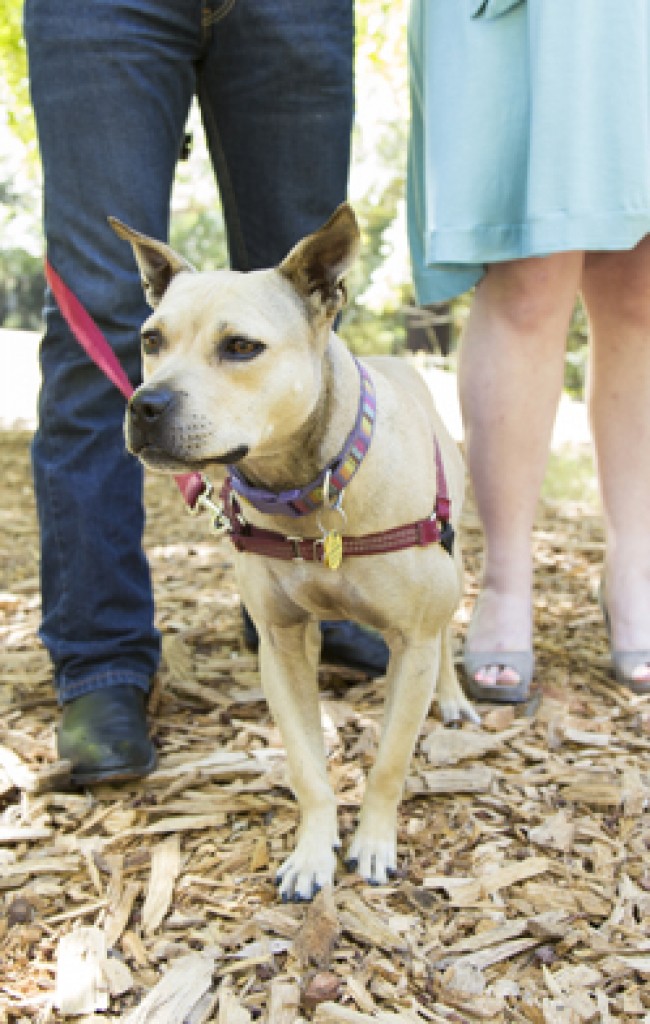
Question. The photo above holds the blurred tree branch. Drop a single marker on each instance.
(13, 68)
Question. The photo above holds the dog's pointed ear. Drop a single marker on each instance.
(317, 265)
(157, 262)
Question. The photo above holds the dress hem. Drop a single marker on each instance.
(456, 259)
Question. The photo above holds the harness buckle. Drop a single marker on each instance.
(296, 542)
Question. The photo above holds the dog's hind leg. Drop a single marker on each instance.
(454, 705)
(410, 687)
(289, 671)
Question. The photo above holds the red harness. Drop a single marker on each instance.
(435, 529)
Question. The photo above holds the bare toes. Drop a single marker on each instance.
(641, 674)
(497, 675)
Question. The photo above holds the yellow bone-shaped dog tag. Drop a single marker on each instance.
(333, 549)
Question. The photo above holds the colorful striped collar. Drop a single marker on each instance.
(337, 473)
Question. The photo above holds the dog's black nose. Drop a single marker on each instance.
(148, 405)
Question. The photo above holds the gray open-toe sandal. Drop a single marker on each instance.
(521, 662)
(624, 662)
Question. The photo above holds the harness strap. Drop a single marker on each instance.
(435, 529)
(275, 545)
(443, 501)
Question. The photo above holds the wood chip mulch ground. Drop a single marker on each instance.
(524, 884)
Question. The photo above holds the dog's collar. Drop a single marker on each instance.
(334, 478)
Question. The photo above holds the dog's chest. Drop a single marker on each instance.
(380, 591)
(323, 592)
(331, 594)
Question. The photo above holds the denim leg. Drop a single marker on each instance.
(276, 91)
(111, 82)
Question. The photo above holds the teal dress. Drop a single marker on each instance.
(530, 133)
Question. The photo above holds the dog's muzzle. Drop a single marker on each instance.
(149, 415)
(160, 432)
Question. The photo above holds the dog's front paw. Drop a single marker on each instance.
(455, 708)
(373, 852)
(310, 867)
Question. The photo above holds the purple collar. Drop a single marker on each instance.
(340, 470)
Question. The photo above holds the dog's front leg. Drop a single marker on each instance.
(289, 672)
(410, 683)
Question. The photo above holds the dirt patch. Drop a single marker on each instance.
(524, 888)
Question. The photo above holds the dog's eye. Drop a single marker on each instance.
(151, 342)
(239, 347)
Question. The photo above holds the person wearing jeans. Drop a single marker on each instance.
(112, 84)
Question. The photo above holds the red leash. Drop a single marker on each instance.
(94, 343)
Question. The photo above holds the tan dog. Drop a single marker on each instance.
(245, 369)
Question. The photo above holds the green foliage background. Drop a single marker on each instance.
(13, 67)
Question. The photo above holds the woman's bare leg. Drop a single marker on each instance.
(616, 291)
(510, 378)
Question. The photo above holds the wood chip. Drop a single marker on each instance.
(449, 746)
(11, 834)
(284, 1002)
(181, 987)
(334, 1013)
(165, 866)
(594, 793)
(260, 854)
(477, 779)
(640, 964)
(120, 912)
(220, 765)
(118, 976)
(319, 933)
(463, 892)
(231, 1010)
(558, 832)
(134, 948)
(19, 774)
(36, 865)
(357, 918)
(81, 983)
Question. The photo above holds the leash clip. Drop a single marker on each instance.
(334, 504)
(206, 503)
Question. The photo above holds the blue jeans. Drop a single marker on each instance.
(112, 82)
